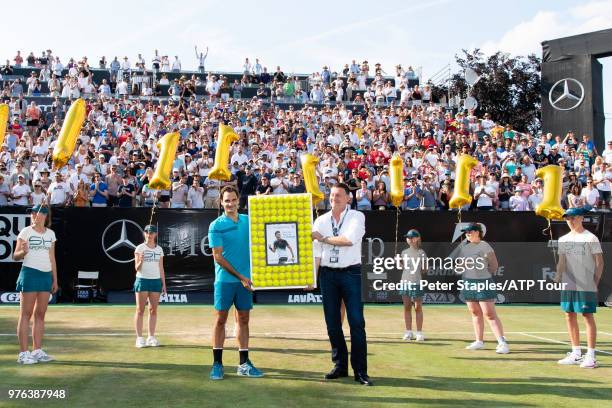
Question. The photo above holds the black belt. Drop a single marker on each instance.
(346, 268)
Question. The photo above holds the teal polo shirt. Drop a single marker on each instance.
(233, 237)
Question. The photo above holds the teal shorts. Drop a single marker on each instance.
(232, 293)
(475, 295)
(573, 301)
(33, 280)
(148, 285)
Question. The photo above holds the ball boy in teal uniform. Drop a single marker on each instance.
(228, 237)
(580, 267)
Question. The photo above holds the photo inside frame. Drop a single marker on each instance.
(282, 243)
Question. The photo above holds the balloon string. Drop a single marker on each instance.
(548, 231)
(459, 216)
(153, 210)
(397, 214)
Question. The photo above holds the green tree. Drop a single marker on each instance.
(508, 88)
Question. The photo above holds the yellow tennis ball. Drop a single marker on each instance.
(282, 283)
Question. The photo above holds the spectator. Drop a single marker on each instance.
(113, 181)
(590, 194)
(602, 178)
(575, 198)
(380, 197)
(536, 195)
(179, 192)
(59, 193)
(484, 194)
(195, 196)
(81, 195)
(5, 191)
(126, 192)
(363, 196)
(21, 192)
(176, 64)
(211, 198)
(518, 202)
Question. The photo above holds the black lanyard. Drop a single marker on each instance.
(336, 230)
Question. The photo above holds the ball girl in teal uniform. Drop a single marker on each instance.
(412, 275)
(149, 285)
(37, 279)
(481, 303)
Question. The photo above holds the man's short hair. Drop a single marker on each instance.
(229, 189)
(342, 186)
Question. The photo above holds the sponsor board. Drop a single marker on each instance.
(14, 297)
(10, 225)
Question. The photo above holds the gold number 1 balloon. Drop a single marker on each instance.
(69, 134)
(220, 170)
(4, 114)
(167, 146)
(396, 166)
(461, 195)
(550, 207)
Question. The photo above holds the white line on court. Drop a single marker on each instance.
(560, 342)
(271, 334)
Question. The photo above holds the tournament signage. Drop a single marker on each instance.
(10, 225)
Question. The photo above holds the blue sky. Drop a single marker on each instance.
(301, 36)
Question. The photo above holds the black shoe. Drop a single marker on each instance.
(363, 379)
(336, 372)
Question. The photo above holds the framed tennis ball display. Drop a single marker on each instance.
(280, 229)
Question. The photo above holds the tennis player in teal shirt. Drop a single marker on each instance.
(228, 236)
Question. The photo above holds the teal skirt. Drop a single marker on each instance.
(148, 285)
(33, 280)
(473, 294)
(412, 293)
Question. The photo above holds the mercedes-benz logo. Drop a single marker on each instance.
(121, 234)
(566, 94)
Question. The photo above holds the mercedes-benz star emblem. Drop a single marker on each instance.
(121, 239)
(566, 94)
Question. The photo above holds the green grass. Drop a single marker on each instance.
(289, 344)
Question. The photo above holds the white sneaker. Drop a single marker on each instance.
(477, 345)
(588, 362)
(25, 357)
(502, 348)
(140, 342)
(407, 335)
(152, 341)
(570, 359)
(420, 337)
(40, 356)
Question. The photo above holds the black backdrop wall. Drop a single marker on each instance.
(103, 239)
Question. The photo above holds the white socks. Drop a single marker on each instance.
(576, 350)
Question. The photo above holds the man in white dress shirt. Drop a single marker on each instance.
(338, 234)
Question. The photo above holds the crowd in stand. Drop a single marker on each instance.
(357, 83)
(116, 152)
